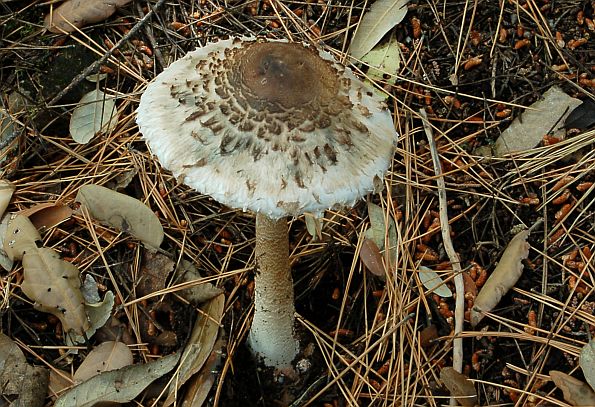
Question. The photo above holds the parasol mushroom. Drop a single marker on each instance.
(276, 128)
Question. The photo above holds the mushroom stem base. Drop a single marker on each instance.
(272, 335)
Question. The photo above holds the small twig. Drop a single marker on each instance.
(95, 65)
(457, 348)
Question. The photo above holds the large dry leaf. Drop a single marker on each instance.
(199, 292)
(98, 314)
(118, 386)
(18, 378)
(200, 345)
(433, 282)
(106, 356)
(587, 362)
(47, 215)
(20, 237)
(527, 131)
(503, 278)
(79, 13)
(460, 387)
(122, 212)
(576, 393)
(54, 285)
(6, 190)
(382, 16)
(95, 113)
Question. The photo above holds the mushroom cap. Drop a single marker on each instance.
(273, 127)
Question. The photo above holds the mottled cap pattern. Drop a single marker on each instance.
(273, 127)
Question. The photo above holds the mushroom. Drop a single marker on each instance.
(276, 128)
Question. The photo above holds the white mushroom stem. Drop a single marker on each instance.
(272, 335)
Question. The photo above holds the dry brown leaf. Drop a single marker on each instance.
(154, 272)
(105, 357)
(575, 392)
(18, 378)
(460, 387)
(47, 215)
(20, 237)
(79, 13)
(587, 362)
(54, 285)
(503, 278)
(123, 212)
(118, 386)
(199, 347)
(371, 257)
(382, 16)
(6, 190)
(196, 294)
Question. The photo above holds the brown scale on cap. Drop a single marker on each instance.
(279, 90)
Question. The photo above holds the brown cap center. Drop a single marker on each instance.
(286, 74)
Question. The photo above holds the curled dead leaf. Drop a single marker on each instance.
(503, 278)
(198, 292)
(47, 215)
(199, 347)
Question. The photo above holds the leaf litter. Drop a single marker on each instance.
(20, 379)
(380, 19)
(106, 356)
(122, 212)
(117, 386)
(74, 14)
(428, 63)
(503, 278)
(199, 347)
(96, 113)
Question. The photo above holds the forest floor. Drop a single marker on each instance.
(373, 337)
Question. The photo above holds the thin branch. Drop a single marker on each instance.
(457, 350)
